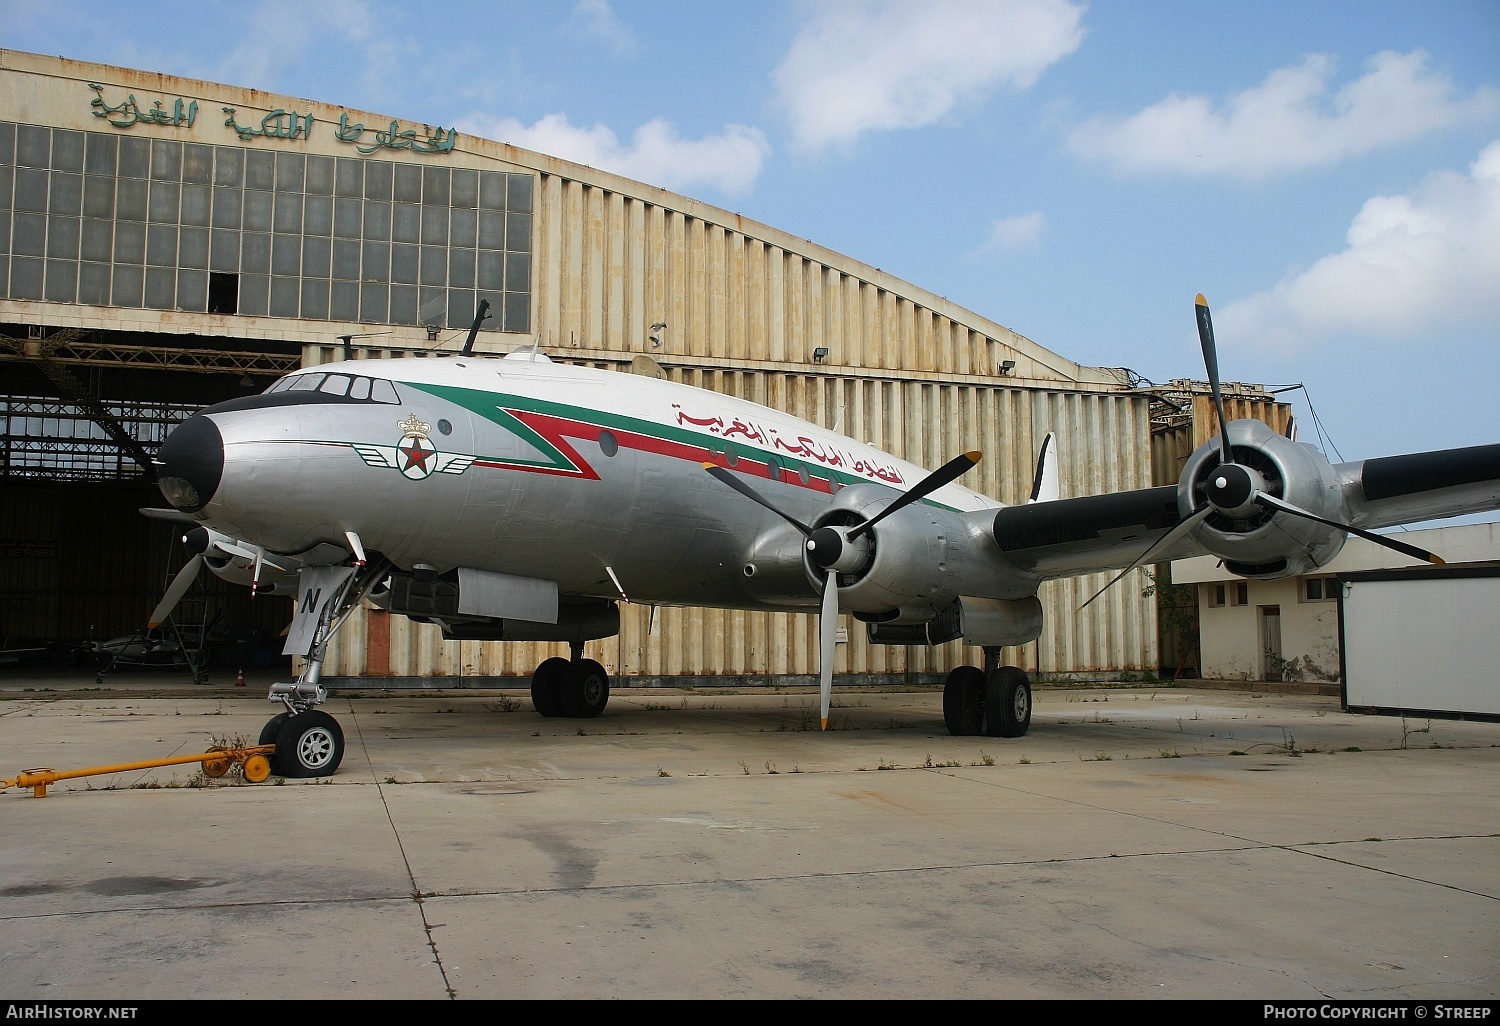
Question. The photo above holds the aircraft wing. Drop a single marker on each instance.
(1424, 486)
(1066, 537)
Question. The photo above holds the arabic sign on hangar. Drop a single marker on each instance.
(276, 124)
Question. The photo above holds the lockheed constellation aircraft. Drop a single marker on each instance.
(521, 499)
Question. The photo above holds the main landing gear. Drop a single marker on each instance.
(995, 701)
(577, 688)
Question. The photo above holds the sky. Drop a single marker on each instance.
(1327, 173)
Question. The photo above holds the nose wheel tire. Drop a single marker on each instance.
(309, 744)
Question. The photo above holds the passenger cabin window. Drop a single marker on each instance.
(373, 390)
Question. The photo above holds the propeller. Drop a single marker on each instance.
(178, 588)
(835, 550)
(1235, 489)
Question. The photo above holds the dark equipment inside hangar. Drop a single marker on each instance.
(82, 411)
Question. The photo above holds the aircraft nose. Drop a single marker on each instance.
(190, 463)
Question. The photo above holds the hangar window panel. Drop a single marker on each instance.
(461, 307)
(67, 194)
(93, 284)
(346, 260)
(224, 251)
(30, 236)
(31, 189)
(404, 267)
(286, 254)
(62, 238)
(67, 150)
(26, 278)
(285, 292)
(377, 220)
(518, 232)
(434, 225)
(62, 281)
(197, 163)
(166, 160)
(98, 196)
(463, 227)
(517, 272)
(126, 287)
(33, 146)
(228, 204)
(517, 312)
(4, 233)
(255, 253)
(492, 190)
(135, 158)
(406, 223)
(434, 268)
(319, 180)
(130, 199)
(192, 248)
(288, 215)
(491, 229)
(290, 168)
(461, 268)
(130, 242)
(490, 273)
(343, 302)
(197, 205)
(161, 245)
(223, 293)
(378, 180)
(346, 218)
(375, 262)
(315, 298)
(161, 288)
(165, 200)
(258, 214)
(432, 306)
(465, 188)
(374, 302)
(317, 254)
(317, 218)
(229, 167)
(97, 242)
(254, 291)
(55, 440)
(348, 177)
(99, 154)
(519, 194)
(435, 181)
(8, 143)
(408, 186)
(403, 304)
(192, 290)
(260, 170)
(7, 187)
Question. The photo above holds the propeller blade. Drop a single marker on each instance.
(1211, 364)
(178, 588)
(949, 471)
(828, 632)
(734, 481)
(1272, 503)
(1182, 528)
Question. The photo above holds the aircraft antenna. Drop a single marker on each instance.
(479, 315)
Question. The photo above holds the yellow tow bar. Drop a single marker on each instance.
(253, 759)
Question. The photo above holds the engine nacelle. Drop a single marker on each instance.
(1251, 540)
(226, 559)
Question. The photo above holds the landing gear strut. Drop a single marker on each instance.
(995, 701)
(309, 742)
(576, 688)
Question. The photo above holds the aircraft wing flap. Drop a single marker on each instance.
(1086, 534)
(1422, 486)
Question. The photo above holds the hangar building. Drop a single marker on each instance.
(167, 243)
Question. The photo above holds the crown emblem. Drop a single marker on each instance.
(412, 426)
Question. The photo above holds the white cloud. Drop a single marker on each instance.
(729, 161)
(861, 65)
(595, 19)
(1020, 232)
(1416, 263)
(259, 60)
(1290, 121)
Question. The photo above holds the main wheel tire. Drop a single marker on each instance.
(963, 701)
(309, 744)
(546, 687)
(1007, 706)
(585, 690)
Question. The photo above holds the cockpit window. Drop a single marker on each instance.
(377, 390)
